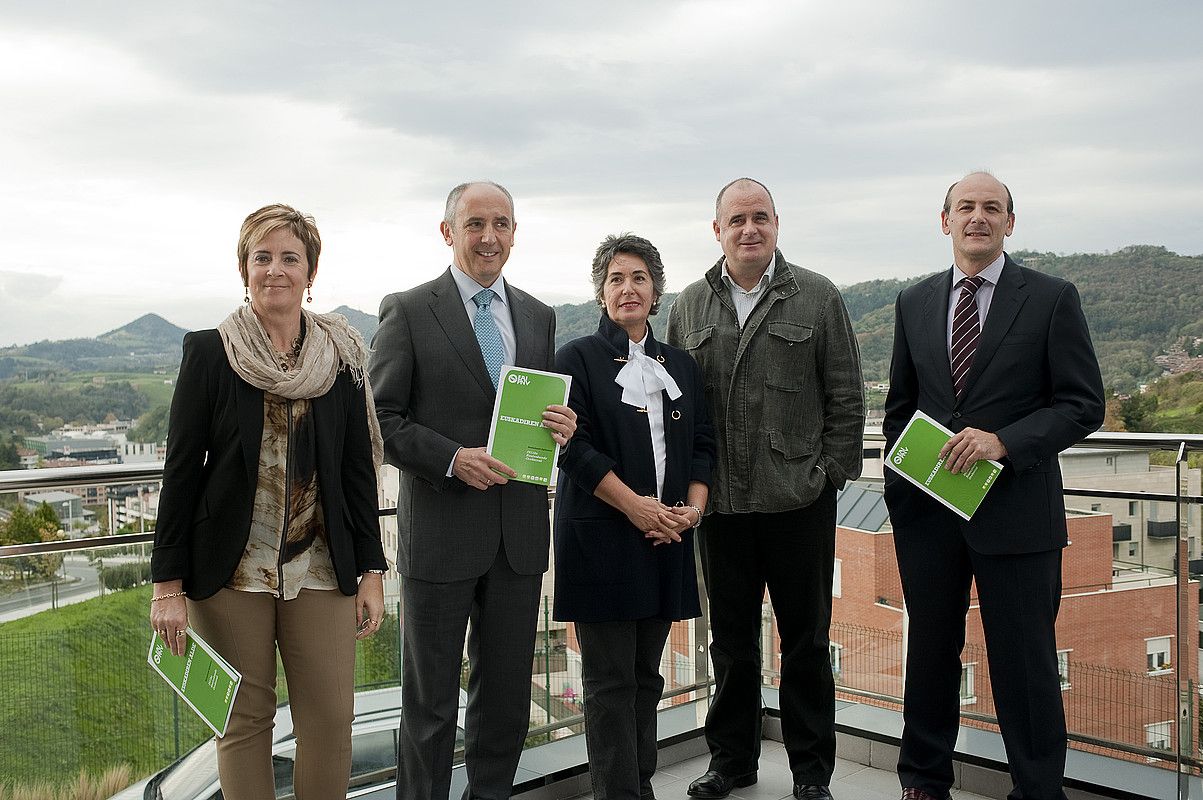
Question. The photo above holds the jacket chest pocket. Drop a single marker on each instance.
(789, 346)
(701, 344)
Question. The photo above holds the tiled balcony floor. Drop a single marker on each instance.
(851, 781)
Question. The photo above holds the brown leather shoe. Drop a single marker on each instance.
(919, 794)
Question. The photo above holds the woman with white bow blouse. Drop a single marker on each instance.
(636, 479)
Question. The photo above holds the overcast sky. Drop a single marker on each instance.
(135, 136)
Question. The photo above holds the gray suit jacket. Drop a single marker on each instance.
(433, 396)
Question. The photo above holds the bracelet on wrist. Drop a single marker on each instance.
(167, 596)
(372, 572)
(699, 522)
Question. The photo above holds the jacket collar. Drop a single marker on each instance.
(618, 341)
(783, 276)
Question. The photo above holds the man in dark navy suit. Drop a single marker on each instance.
(1001, 355)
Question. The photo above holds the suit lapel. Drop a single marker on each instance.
(250, 425)
(1009, 296)
(935, 327)
(526, 341)
(448, 310)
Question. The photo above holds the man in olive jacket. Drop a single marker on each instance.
(783, 386)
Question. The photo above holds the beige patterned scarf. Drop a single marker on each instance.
(330, 345)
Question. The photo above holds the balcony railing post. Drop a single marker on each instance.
(1186, 636)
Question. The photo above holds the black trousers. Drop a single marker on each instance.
(503, 608)
(1019, 596)
(792, 553)
(620, 670)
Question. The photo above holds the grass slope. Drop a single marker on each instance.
(78, 693)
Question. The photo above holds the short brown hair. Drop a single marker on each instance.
(259, 224)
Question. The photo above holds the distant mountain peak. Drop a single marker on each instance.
(147, 326)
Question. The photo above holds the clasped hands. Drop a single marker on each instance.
(660, 523)
(475, 467)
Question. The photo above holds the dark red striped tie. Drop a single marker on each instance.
(966, 330)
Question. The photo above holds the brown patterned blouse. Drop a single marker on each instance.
(287, 548)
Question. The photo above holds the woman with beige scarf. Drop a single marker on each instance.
(267, 533)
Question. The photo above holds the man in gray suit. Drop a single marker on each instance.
(471, 544)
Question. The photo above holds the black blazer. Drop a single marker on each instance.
(605, 569)
(1034, 382)
(211, 471)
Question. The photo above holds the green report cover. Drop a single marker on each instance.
(517, 437)
(205, 681)
(916, 457)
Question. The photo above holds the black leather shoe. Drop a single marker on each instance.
(715, 785)
(810, 791)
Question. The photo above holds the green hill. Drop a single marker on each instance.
(1139, 301)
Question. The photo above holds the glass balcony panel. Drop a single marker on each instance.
(72, 623)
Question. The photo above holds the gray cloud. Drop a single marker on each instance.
(144, 132)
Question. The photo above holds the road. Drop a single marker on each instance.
(84, 584)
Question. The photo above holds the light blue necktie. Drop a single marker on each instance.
(488, 335)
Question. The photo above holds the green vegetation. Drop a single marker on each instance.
(8, 454)
(28, 527)
(42, 407)
(78, 694)
(1170, 405)
(151, 427)
(1139, 301)
(85, 786)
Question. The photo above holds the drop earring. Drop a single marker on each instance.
(308, 294)
(246, 294)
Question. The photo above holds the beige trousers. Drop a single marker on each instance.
(316, 636)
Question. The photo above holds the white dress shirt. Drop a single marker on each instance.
(984, 294)
(743, 299)
(644, 381)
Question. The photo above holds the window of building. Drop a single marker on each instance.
(1158, 654)
(837, 580)
(1133, 507)
(968, 684)
(1110, 461)
(682, 670)
(1132, 548)
(1096, 506)
(1157, 735)
(835, 651)
(1063, 668)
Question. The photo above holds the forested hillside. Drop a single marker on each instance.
(1139, 301)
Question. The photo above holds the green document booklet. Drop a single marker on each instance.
(916, 457)
(205, 681)
(517, 437)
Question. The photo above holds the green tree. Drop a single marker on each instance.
(29, 527)
(151, 427)
(8, 456)
(1137, 411)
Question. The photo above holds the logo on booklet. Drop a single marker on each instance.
(900, 455)
(521, 380)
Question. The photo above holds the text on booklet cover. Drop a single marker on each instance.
(517, 437)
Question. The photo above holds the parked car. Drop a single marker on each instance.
(373, 756)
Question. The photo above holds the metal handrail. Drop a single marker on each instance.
(25, 479)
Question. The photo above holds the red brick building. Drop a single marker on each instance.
(1116, 636)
